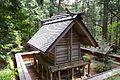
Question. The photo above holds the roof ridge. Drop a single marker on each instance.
(56, 17)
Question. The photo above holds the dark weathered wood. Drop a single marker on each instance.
(47, 74)
(79, 51)
(59, 56)
(68, 72)
(42, 73)
(55, 57)
(90, 38)
(68, 66)
(61, 59)
(60, 37)
(61, 62)
(59, 41)
(71, 45)
(89, 68)
(83, 70)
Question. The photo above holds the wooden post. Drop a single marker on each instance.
(89, 68)
(68, 52)
(79, 51)
(59, 75)
(51, 76)
(79, 70)
(42, 72)
(83, 70)
(71, 45)
(55, 77)
(68, 72)
(47, 74)
(35, 63)
(72, 73)
(55, 56)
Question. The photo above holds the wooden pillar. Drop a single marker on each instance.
(68, 72)
(34, 59)
(42, 72)
(51, 76)
(55, 77)
(71, 45)
(89, 68)
(55, 56)
(47, 74)
(83, 70)
(79, 70)
(35, 63)
(59, 78)
(72, 73)
(79, 51)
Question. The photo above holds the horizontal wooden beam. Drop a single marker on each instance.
(68, 65)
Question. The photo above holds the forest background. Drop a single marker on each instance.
(20, 19)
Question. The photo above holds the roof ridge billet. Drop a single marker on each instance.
(59, 20)
(55, 17)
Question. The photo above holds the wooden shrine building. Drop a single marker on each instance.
(59, 41)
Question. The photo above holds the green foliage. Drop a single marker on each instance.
(102, 67)
(115, 77)
(86, 57)
(7, 74)
(40, 2)
(14, 25)
(103, 58)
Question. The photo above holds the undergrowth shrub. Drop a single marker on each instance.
(7, 73)
(102, 67)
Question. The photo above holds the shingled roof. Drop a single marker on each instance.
(53, 28)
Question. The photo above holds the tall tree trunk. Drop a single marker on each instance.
(83, 2)
(105, 20)
(76, 6)
(116, 38)
(117, 32)
(111, 19)
(59, 6)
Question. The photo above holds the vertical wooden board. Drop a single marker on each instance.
(72, 73)
(51, 76)
(59, 76)
(61, 53)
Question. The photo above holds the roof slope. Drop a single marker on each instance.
(47, 34)
(52, 29)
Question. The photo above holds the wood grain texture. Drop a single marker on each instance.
(63, 50)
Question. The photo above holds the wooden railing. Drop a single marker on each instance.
(106, 74)
(22, 70)
(24, 75)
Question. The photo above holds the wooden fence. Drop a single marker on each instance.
(22, 70)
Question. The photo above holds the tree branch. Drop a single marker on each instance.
(113, 12)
